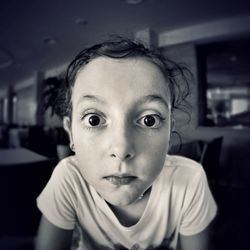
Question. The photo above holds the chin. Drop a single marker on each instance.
(121, 201)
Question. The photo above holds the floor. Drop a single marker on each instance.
(232, 225)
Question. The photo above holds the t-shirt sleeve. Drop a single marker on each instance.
(57, 202)
(199, 207)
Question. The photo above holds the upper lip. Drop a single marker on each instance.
(119, 175)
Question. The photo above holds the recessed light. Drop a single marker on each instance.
(81, 21)
(133, 1)
(233, 58)
(49, 41)
(6, 58)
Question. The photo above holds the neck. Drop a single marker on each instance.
(131, 214)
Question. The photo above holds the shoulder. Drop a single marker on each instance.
(183, 176)
(58, 200)
(68, 162)
(67, 166)
(188, 179)
(185, 187)
(183, 170)
(177, 160)
(67, 173)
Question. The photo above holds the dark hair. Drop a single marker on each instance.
(118, 48)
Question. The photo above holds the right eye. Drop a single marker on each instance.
(93, 120)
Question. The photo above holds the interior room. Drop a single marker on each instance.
(39, 38)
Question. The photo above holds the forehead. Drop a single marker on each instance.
(100, 65)
(127, 78)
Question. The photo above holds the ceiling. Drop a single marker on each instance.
(36, 35)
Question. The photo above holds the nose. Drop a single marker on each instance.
(122, 144)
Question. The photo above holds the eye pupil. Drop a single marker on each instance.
(94, 120)
(149, 120)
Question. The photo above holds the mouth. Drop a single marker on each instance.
(119, 180)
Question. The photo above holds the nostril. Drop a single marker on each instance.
(128, 156)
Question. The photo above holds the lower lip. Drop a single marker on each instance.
(118, 181)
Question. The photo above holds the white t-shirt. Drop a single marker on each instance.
(180, 202)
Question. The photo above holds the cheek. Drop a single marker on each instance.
(88, 145)
(86, 148)
(157, 143)
(86, 152)
(153, 151)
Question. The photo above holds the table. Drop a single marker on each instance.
(23, 175)
(19, 156)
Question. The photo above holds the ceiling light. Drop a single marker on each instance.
(81, 21)
(133, 1)
(233, 58)
(49, 41)
(6, 58)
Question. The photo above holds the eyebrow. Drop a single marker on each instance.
(92, 98)
(155, 98)
(144, 99)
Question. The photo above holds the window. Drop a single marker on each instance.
(224, 80)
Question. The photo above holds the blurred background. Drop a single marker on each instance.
(39, 38)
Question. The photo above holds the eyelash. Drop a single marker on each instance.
(89, 114)
(159, 119)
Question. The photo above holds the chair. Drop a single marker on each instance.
(210, 159)
(191, 149)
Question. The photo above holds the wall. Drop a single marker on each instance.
(22, 102)
(4, 105)
(49, 120)
(185, 53)
(236, 144)
(26, 106)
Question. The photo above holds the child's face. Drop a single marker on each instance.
(120, 126)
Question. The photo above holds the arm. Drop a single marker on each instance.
(51, 237)
(200, 241)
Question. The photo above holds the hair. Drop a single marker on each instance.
(121, 48)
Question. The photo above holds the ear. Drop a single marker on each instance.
(172, 125)
(67, 127)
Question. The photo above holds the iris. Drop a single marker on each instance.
(94, 120)
(149, 120)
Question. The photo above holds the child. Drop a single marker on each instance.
(121, 190)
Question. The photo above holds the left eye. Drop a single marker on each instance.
(150, 121)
